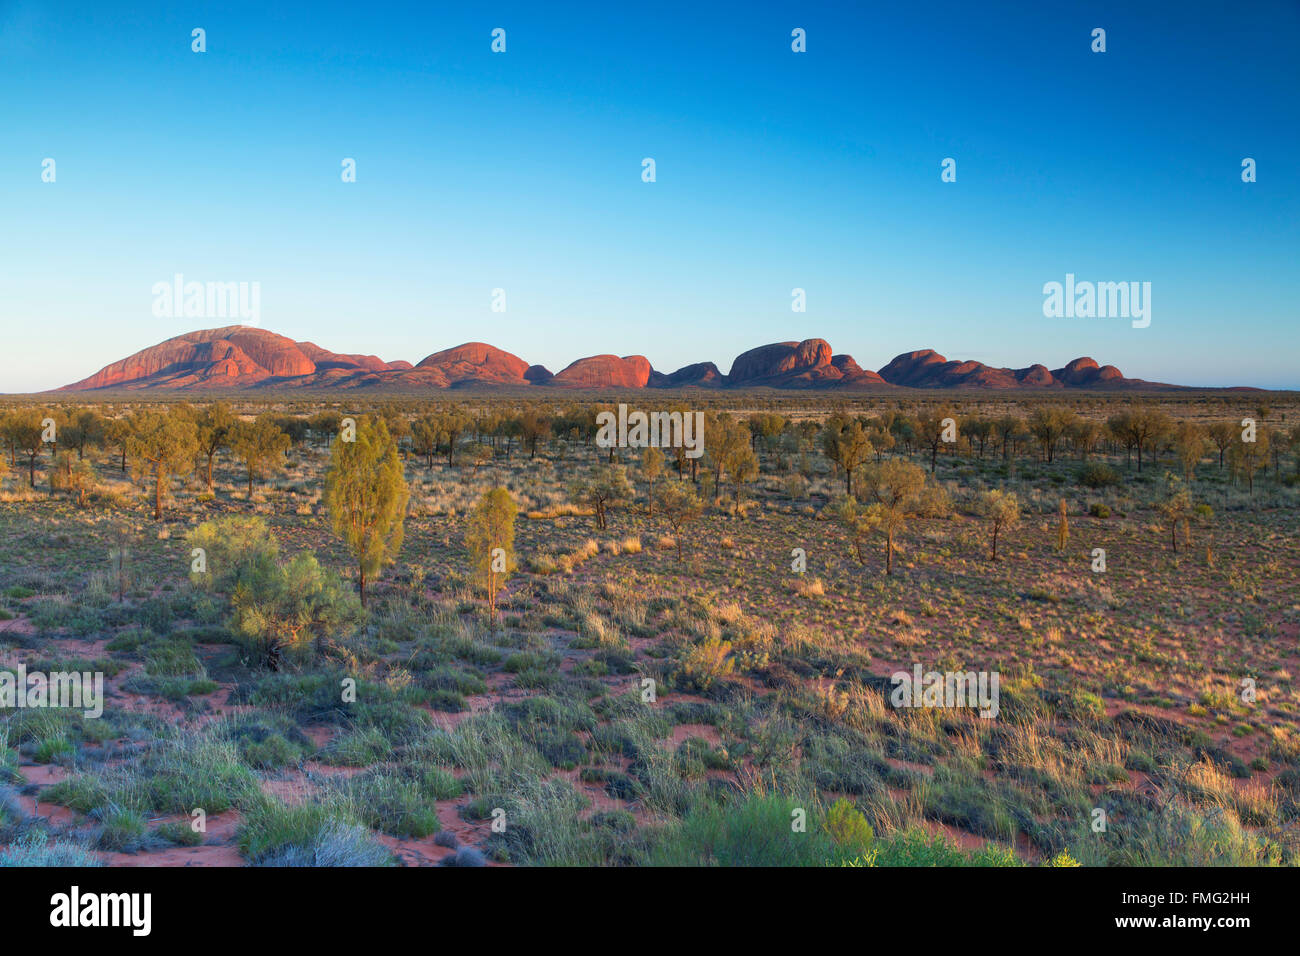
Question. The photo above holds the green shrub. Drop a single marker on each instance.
(122, 829)
(753, 831)
(1098, 475)
(915, 848)
(359, 747)
(309, 834)
(278, 607)
(179, 833)
(394, 805)
(847, 827)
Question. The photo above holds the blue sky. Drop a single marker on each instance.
(775, 170)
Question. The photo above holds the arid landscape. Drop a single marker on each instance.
(604, 445)
(357, 612)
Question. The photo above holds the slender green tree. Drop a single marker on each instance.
(214, 425)
(846, 444)
(679, 505)
(24, 432)
(490, 541)
(894, 486)
(260, 445)
(605, 490)
(366, 493)
(652, 467)
(1177, 511)
(1002, 511)
(162, 444)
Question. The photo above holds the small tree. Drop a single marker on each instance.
(76, 477)
(930, 432)
(214, 425)
(894, 485)
(1245, 458)
(261, 445)
(1146, 427)
(117, 432)
(728, 442)
(490, 541)
(1048, 425)
(533, 428)
(679, 505)
(424, 438)
(1003, 511)
(61, 471)
(24, 432)
(162, 444)
(1062, 526)
(742, 465)
(1189, 443)
(366, 493)
(481, 453)
(604, 490)
(859, 522)
(846, 444)
(453, 424)
(1177, 511)
(85, 427)
(119, 556)
(1222, 434)
(652, 466)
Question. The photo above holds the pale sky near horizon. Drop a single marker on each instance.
(774, 170)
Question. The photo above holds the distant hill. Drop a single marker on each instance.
(239, 357)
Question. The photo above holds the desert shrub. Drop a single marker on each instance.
(156, 615)
(193, 770)
(547, 827)
(359, 747)
(238, 549)
(795, 487)
(309, 834)
(277, 606)
(751, 831)
(440, 784)
(122, 829)
(705, 663)
(847, 827)
(82, 792)
(291, 606)
(934, 501)
(37, 848)
(1098, 475)
(393, 804)
(179, 833)
(917, 848)
(1098, 510)
(172, 658)
(269, 744)
(1062, 859)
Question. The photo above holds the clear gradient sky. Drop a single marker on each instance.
(774, 170)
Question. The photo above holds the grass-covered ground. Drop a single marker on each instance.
(771, 738)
